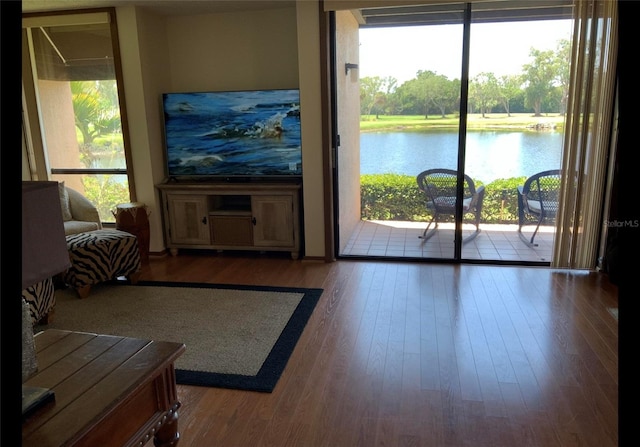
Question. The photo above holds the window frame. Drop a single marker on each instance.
(34, 142)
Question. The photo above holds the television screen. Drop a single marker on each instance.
(247, 134)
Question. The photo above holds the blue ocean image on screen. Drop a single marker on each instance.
(243, 133)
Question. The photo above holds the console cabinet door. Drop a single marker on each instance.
(273, 224)
(188, 217)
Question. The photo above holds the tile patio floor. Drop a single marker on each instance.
(495, 242)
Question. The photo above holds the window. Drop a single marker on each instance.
(73, 106)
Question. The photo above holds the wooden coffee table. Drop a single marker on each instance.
(109, 391)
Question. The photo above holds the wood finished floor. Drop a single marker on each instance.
(419, 354)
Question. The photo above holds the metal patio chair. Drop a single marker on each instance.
(538, 200)
(439, 187)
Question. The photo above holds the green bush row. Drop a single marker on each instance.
(397, 197)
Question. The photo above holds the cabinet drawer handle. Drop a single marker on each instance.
(204, 220)
(253, 220)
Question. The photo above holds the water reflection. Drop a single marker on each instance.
(490, 155)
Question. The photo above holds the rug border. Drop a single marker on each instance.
(271, 370)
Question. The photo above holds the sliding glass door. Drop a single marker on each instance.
(482, 116)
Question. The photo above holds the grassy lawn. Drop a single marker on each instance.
(494, 121)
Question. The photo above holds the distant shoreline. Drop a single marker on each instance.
(494, 121)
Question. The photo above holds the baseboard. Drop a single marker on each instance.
(159, 254)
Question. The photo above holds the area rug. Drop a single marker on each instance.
(236, 336)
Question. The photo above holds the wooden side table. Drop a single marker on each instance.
(110, 391)
(133, 218)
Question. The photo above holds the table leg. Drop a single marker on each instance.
(167, 435)
(83, 291)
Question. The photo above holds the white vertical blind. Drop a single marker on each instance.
(587, 134)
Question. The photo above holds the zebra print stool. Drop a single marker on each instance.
(101, 255)
(41, 299)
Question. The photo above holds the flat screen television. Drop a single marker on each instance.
(233, 135)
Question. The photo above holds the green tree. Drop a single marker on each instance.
(96, 108)
(105, 193)
(370, 88)
(405, 100)
(539, 75)
(387, 102)
(563, 66)
(425, 89)
(445, 93)
(542, 85)
(508, 89)
(86, 107)
(97, 113)
(483, 88)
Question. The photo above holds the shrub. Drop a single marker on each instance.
(391, 197)
(500, 203)
(106, 193)
(397, 197)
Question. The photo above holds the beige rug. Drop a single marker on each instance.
(229, 331)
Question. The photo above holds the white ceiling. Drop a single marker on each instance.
(437, 13)
(160, 7)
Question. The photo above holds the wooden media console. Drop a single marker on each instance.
(232, 216)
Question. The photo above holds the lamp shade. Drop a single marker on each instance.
(44, 246)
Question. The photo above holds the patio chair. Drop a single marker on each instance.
(439, 187)
(538, 199)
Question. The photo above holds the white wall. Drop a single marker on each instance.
(274, 48)
(143, 48)
(348, 109)
(233, 51)
(241, 50)
(311, 123)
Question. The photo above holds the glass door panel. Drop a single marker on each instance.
(409, 122)
(518, 83)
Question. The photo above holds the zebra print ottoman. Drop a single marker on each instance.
(101, 255)
(41, 299)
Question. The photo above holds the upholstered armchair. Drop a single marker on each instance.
(78, 213)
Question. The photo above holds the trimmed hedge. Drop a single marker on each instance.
(397, 197)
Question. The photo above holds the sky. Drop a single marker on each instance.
(501, 48)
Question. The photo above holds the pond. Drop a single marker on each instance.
(490, 155)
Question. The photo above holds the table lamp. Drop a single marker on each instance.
(44, 254)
